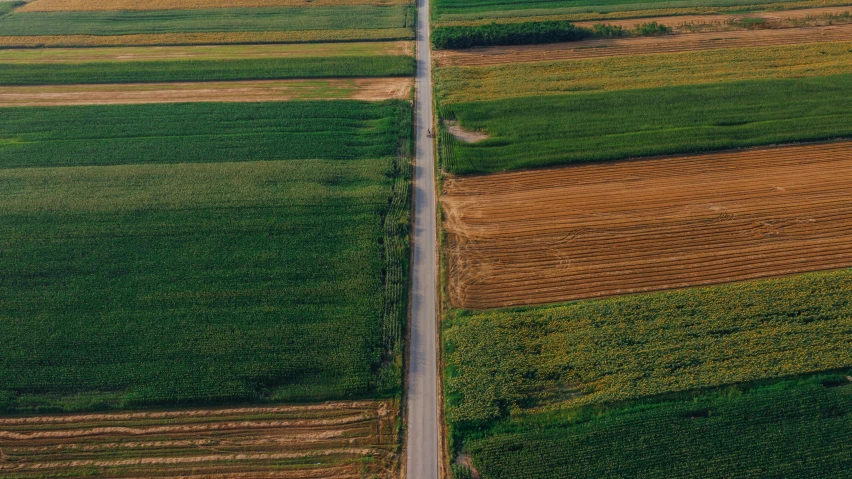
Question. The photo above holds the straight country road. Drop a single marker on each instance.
(423, 416)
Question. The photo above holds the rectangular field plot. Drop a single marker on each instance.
(601, 230)
(139, 284)
(787, 429)
(367, 89)
(341, 440)
(228, 132)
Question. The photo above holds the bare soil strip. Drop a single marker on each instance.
(641, 46)
(367, 89)
(204, 52)
(590, 231)
(341, 440)
(103, 5)
(677, 21)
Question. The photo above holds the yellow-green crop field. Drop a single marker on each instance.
(465, 84)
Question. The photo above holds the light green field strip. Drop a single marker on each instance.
(463, 84)
(204, 52)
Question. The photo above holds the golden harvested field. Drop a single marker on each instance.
(770, 17)
(102, 5)
(589, 231)
(641, 46)
(334, 440)
(367, 89)
(461, 84)
(204, 52)
(223, 38)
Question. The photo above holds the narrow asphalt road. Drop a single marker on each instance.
(423, 364)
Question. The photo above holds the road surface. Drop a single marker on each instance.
(423, 363)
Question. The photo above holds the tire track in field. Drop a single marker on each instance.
(590, 231)
(641, 46)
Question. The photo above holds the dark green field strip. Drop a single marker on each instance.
(800, 429)
(200, 132)
(631, 347)
(142, 284)
(205, 70)
(554, 130)
(214, 20)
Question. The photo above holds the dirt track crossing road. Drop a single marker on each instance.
(422, 444)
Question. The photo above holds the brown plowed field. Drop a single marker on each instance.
(722, 18)
(589, 231)
(367, 89)
(640, 46)
(334, 440)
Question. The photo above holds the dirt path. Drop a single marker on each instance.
(367, 89)
(590, 231)
(639, 46)
(422, 443)
(330, 440)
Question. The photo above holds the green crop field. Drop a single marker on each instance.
(645, 345)
(198, 132)
(213, 20)
(793, 428)
(553, 130)
(205, 70)
(225, 252)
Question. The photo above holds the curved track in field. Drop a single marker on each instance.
(641, 46)
(590, 231)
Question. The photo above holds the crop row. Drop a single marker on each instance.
(465, 84)
(205, 70)
(788, 429)
(552, 130)
(630, 347)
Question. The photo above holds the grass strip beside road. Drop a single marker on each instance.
(552, 130)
